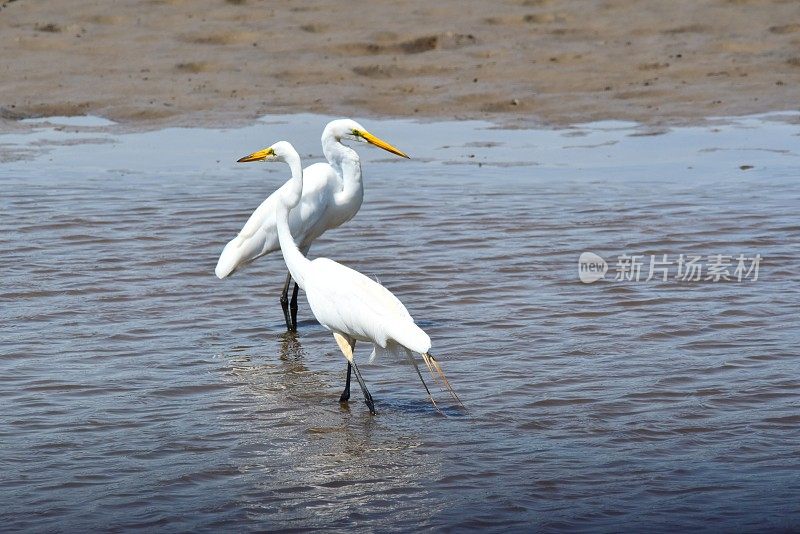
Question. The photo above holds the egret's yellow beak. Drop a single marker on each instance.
(380, 143)
(261, 155)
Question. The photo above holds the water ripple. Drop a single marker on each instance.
(140, 392)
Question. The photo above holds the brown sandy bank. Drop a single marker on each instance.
(555, 61)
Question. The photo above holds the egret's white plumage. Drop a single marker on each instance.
(344, 300)
(349, 304)
(332, 195)
(316, 213)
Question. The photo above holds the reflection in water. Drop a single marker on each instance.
(290, 348)
(313, 455)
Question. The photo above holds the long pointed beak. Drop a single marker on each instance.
(261, 155)
(380, 143)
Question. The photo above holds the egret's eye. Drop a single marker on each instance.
(356, 134)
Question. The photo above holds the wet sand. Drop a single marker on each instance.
(203, 62)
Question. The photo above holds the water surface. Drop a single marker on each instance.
(138, 391)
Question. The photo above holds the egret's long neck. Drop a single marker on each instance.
(334, 150)
(352, 187)
(295, 261)
(345, 162)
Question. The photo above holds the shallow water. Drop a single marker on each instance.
(138, 391)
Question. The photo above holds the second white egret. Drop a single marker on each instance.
(332, 195)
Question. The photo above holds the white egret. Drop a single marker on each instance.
(343, 300)
(332, 195)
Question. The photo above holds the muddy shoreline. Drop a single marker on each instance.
(546, 62)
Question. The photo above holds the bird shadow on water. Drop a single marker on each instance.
(290, 349)
(301, 387)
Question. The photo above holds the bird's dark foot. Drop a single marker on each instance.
(370, 404)
(293, 308)
(346, 391)
(285, 308)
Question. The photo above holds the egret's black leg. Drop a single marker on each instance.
(285, 301)
(293, 308)
(346, 393)
(367, 397)
(347, 344)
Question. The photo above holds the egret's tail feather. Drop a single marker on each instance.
(240, 251)
(414, 363)
(223, 270)
(426, 359)
(433, 365)
(228, 261)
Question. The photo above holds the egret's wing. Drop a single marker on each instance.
(350, 293)
(259, 235)
(347, 301)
